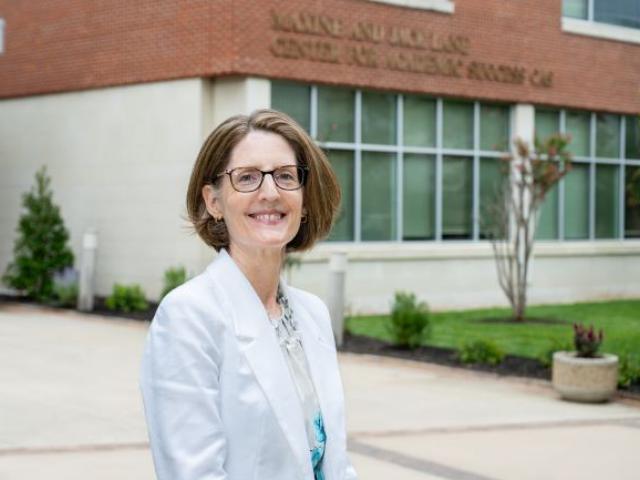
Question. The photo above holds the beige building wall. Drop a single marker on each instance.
(120, 160)
(463, 275)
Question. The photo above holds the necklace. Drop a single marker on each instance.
(285, 325)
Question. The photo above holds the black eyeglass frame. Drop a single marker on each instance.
(302, 173)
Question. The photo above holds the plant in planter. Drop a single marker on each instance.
(584, 375)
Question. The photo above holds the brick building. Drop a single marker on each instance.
(414, 101)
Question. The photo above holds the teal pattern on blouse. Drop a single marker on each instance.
(292, 349)
(317, 453)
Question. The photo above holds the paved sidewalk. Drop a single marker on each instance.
(70, 409)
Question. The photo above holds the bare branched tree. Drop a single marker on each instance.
(510, 220)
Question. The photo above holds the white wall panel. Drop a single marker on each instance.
(120, 160)
(463, 275)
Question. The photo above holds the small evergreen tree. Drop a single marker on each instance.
(41, 247)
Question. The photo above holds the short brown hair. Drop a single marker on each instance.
(321, 191)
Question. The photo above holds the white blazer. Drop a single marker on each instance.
(218, 397)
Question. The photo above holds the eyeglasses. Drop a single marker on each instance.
(249, 179)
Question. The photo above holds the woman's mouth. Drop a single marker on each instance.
(267, 218)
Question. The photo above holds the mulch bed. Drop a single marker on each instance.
(512, 365)
(99, 308)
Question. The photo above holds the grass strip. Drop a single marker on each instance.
(546, 324)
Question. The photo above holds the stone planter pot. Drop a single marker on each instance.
(585, 379)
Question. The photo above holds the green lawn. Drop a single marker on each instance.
(619, 319)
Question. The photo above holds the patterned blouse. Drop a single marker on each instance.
(291, 345)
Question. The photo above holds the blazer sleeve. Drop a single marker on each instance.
(179, 381)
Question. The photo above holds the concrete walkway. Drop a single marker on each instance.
(70, 409)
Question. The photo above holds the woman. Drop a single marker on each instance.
(239, 375)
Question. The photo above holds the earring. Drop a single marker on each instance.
(304, 218)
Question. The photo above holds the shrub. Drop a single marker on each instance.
(586, 341)
(65, 295)
(628, 372)
(173, 277)
(409, 321)
(65, 288)
(41, 249)
(481, 351)
(127, 298)
(546, 356)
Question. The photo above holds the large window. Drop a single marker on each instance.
(590, 202)
(411, 167)
(415, 167)
(625, 13)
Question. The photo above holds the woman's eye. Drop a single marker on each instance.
(246, 177)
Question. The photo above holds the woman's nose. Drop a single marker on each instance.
(268, 189)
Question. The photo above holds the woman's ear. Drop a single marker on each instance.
(211, 201)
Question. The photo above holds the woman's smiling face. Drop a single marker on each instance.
(268, 218)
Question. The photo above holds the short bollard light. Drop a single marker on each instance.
(87, 271)
(337, 272)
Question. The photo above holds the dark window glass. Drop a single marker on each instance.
(335, 114)
(625, 13)
(547, 123)
(575, 9)
(607, 135)
(576, 202)
(632, 202)
(378, 118)
(419, 193)
(378, 196)
(607, 201)
(547, 228)
(494, 127)
(419, 121)
(579, 131)
(342, 163)
(457, 198)
(457, 128)
(491, 193)
(292, 99)
(632, 140)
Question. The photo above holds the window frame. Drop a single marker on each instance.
(477, 155)
(443, 6)
(592, 160)
(399, 149)
(3, 25)
(593, 28)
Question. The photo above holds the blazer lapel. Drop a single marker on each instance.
(257, 340)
